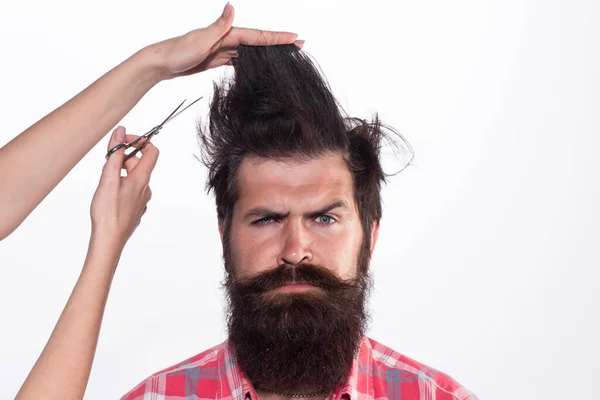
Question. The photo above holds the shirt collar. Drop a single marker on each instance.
(356, 387)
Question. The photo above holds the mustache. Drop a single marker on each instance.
(294, 274)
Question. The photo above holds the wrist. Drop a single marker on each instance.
(105, 242)
(102, 257)
(150, 66)
(151, 60)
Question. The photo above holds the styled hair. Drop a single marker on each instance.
(278, 106)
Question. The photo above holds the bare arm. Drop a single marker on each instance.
(63, 368)
(56, 143)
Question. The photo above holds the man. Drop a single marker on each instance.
(297, 187)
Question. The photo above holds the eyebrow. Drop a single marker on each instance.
(262, 212)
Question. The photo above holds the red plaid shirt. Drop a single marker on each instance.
(378, 372)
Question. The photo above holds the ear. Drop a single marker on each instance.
(374, 236)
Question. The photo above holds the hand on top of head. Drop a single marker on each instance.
(120, 202)
(213, 46)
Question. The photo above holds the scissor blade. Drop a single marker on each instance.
(157, 128)
(148, 135)
(172, 117)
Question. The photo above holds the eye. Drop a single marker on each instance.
(325, 219)
(262, 221)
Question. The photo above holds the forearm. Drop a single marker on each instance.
(34, 162)
(63, 368)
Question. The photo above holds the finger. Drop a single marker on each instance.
(112, 167)
(299, 43)
(146, 164)
(222, 58)
(257, 37)
(132, 162)
(214, 60)
(221, 26)
(117, 137)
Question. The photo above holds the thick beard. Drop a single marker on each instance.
(297, 342)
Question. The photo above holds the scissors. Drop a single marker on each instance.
(148, 135)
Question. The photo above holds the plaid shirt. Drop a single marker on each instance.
(377, 373)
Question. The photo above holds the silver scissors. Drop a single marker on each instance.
(148, 135)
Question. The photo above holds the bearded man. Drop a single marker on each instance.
(297, 186)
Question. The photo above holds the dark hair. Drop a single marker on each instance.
(279, 106)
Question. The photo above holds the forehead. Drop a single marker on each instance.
(279, 182)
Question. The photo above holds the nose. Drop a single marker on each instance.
(296, 244)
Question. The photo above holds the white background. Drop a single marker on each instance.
(486, 267)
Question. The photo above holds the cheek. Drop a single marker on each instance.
(253, 252)
(342, 252)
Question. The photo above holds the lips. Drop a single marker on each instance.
(295, 287)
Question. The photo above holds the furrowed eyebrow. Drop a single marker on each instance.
(332, 206)
(262, 212)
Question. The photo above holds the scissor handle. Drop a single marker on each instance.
(116, 148)
(147, 136)
(137, 149)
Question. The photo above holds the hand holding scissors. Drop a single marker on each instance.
(145, 138)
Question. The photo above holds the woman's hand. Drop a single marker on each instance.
(77, 126)
(213, 46)
(120, 202)
(63, 369)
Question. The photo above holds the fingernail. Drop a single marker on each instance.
(227, 10)
(120, 134)
(299, 43)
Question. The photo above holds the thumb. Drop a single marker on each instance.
(114, 164)
(222, 25)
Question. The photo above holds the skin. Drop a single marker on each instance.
(56, 143)
(63, 368)
(280, 217)
(283, 215)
